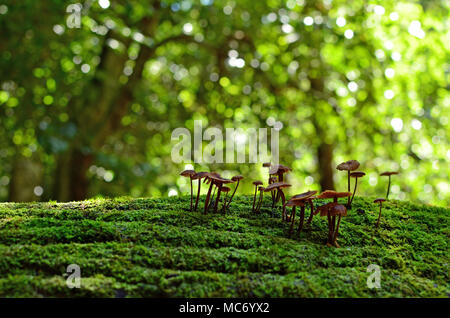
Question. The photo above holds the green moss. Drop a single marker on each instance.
(157, 248)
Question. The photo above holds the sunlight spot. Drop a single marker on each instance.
(396, 56)
(38, 191)
(173, 192)
(308, 20)
(348, 34)
(104, 3)
(397, 124)
(379, 10)
(416, 124)
(352, 86)
(341, 21)
(393, 16)
(415, 29)
(85, 68)
(389, 72)
(389, 94)
(187, 28)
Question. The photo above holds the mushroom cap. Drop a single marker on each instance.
(303, 196)
(276, 185)
(388, 173)
(379, 200)
(277, 169)
(294, 203)
(357, 174)
(257, 183)
(188, 173)
(266, 164)
(329, 194)
(348, 165)
(220, 180)
(238, 177)
(201, 175)
(323, 209)
(225, 189)
(338, 209)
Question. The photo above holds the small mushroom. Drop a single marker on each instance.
(279, 170)
(235, 178)
(325, 210)
(199, 176)
(278, 186)
(256, 183)
(294, 204)
(340, 211)
(350, 165)
(261, 194)
(356, 175)
(380, 201)
(389, 174)
(190, 174)
(219, 182)
(226, 190)
(305, 197)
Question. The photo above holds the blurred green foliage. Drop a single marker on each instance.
(369, 77)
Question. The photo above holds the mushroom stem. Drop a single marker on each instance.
(329, 227)
(311, 204)
(336, 232)
(389, 186)
(219, 190)
(302, 218)
(208, 195)
(231, 198)
(348, 187)
(225, 206)
(254, 199)
(292, 220)
(354, 191)
(258, 209)
(192, 195)
(379, 216)
(212, 197)
(198, 194)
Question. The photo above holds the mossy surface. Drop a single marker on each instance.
(157, 248)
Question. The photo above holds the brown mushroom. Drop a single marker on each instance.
(380, 201)
(226, 190)
(278, 186)
(219, 182)
(256, 183)
(235, 178)
(190, 174)
(389, 174)
(356, 175)
(279, 170)
(325, 210)
(261, 194)
(350, 165)
(199, 176)
(340, 211)
(294, 204)
(305, 197)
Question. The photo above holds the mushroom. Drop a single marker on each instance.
(356, 175)
(219, 182)
(325, 210)
(350, 165)
(226, 190)
(294, 204)
(340, 211)
(304, 198)
(235, 178)
(199, 176)
(256, 183)
(278, 170)
(261, 194)
(190, 174)
(380, 201)
(209, 180)
(278, 186)
(389, 174)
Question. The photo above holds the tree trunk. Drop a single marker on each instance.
(26, 175)
(325, 158)
(71, 182)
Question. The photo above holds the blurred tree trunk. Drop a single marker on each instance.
(325, 159)
(27, 174)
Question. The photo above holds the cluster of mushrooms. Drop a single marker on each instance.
(334, 211)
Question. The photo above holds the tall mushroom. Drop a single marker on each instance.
(219, 182)
(256, 184)
(190, 174)
(235, 178)
(380, 201)
(350, 165)
(325, 210)
(294, 204)
(389, 174)
(278, 186)
(340, 211)
(279, 170)
(303, 198)
(199, 176)
(261, 194)
(356, 175)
